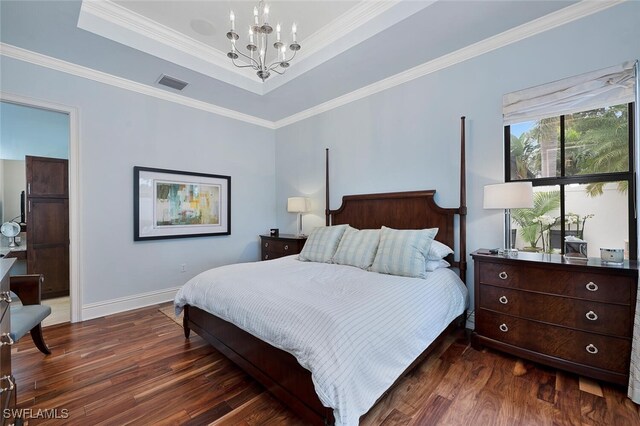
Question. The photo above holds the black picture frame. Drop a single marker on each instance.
(178, 214)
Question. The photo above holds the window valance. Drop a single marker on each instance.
(609, 86)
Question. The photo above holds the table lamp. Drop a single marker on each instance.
(507, 196)
(298, 205)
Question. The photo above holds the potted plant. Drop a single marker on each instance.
(528, 221)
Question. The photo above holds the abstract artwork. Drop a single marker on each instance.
(174, 204)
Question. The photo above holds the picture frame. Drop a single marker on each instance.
(179, 204)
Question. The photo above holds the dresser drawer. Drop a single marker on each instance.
(584, 315)
(605, 352)
(608, 288)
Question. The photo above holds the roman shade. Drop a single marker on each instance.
(609, 86)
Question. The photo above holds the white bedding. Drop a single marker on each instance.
(356, 331)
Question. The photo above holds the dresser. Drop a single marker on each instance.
(575, 317)
(7, 382)
(282, 245)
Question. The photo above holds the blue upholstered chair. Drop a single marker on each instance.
(28, 315)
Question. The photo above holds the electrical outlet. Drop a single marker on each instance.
(183, 267)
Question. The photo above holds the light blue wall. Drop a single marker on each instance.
(406, 138)
(120, 129)
(32, 131)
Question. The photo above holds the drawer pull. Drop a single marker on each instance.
(9, 380)
(591, 349)
(504, 328)
(286, 247)
(591, 316)
(266, 256)
(266, 244)
(503, 275)
(5, 296)
(591, 286)
(6, 336)
(504, 300)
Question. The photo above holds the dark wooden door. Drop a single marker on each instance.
(48, 223)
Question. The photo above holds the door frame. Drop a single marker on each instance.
(75, 224)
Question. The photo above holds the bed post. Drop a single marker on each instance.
(327, 212)
(463, 204)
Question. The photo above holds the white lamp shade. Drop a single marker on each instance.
(298, 205)
(510, 195)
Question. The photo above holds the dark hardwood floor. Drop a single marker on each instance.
(137, 368)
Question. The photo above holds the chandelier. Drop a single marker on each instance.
(259, 43)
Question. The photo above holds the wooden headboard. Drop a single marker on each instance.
(407, 210)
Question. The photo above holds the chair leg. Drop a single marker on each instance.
(38, 339)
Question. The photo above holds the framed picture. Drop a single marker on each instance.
(175, 204)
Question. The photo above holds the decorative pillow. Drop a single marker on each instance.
(322, 243)
(357, 248)
(403, 252)
(432, 265)
(438, 251)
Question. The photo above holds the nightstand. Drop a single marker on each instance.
(282, 245)
(574, 317)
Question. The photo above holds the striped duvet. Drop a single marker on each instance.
(356, 331)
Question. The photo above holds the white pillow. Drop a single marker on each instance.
(322, 243)
(357, 248)
(432, 265)
(438, 251)
(403, 252)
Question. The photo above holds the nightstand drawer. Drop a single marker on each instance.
(580, 314)
(275, 247)
(283, 248)
(608, 288)
(594, 350)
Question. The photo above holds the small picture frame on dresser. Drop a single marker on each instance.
(274, 232)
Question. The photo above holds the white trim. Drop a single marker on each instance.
(121, 304)
(118, 23)
(75, 200)
(529, 29)
(471, 321)
(102, 77)
(115, 22)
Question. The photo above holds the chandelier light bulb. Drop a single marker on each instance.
(266, 13)
(278, 32)
(232, 17)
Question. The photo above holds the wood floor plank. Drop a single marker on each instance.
(137, 368)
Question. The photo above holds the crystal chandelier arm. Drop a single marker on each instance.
(277, 72)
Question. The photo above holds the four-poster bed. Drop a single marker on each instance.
(278, 370)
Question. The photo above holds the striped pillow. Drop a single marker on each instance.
(403, 252)
(322, 243)
(357, 248)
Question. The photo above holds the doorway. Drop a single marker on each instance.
(64, 308)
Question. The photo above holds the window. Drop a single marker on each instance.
(581, 167)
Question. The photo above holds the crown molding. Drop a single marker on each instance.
(529, 29)
(115, 22)
(39, 59)
(346, 23)
(532, 28)
(359, 23)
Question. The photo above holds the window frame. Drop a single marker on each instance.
(562, 180)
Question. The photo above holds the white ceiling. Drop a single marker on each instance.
(193, 33)
(350, 49)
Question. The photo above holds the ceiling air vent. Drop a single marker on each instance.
(174, 83)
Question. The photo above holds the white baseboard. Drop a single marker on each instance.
(113, 306)
(471, 321)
